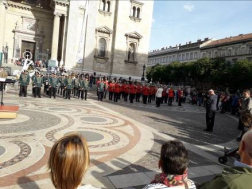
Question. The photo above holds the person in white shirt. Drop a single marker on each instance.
(159, 95)
(68, 162)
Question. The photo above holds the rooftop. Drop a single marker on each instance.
(230, 39)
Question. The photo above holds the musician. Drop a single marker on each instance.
(138, 92)
(53, 84)
(77, 86)
(69, 83)
(84, 87)
(117, 90)
(133, 90)
(24, 82)
(38, 81)
(111, 89)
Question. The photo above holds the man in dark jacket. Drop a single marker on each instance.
(210, 110)
(246, 107)
(238, 176)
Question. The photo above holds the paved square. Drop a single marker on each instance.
(124, 139)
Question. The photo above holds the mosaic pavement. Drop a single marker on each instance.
(123, 150)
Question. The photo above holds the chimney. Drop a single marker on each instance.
(179, 45)
(189, 42)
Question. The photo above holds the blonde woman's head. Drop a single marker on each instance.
(68, 162)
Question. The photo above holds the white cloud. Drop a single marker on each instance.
(189, 7)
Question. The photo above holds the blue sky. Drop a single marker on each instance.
(176, 22)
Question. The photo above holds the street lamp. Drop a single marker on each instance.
(144, 67)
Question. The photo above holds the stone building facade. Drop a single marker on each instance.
(231, 48)
(181, 53)
(109, 37)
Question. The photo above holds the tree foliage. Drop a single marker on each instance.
(215, 72)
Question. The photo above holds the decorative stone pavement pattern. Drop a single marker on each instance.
(25, 151)
(129, 161)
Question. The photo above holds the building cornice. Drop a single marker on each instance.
(27, 7)
(136, 2)
(61, 3)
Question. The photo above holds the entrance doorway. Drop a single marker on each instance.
(29, 47)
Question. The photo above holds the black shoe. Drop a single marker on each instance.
(208, 130)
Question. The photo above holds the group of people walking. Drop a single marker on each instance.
(134, 91)
(63, 85)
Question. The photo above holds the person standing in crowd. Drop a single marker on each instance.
(68, 83)
(111, 89)
(210, 110)
(77, 86)
(138, 92)
(24, 80)
(38, 81)
(46, 84)
(246, 107)
(145, 93)
(117, 91)
(199, 98)
(106, 88)
(150, 93)
(173, 163)
(133, 89)
(180, 95)
(101, 89)
(163, 95)
(68, 161)
(159, 94)
(126, 91)
(53, 84)
(84, 88)
(33, 85)
(171, 96)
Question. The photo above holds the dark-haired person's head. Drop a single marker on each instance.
(246, 93)
(68, 161)
(246, 119)
(174, 158)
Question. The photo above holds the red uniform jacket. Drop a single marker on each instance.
(171, 93)
(133, 89)
(146, 90)
(117, 88)
(111, 87)
(126, 89)
(139, 89)
(180, 93)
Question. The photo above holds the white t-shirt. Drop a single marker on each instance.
(159, 92)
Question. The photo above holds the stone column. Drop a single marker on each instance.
(55, 37)
(2, 22)
(63, 53)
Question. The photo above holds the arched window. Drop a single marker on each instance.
(138, 12)
(103, 5)
(134, 11)
(102, 47)
(108, 8)
(132, 53)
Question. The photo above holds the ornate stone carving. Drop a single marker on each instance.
(134, 35)
(104, 29)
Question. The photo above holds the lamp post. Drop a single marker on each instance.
(144, 67)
